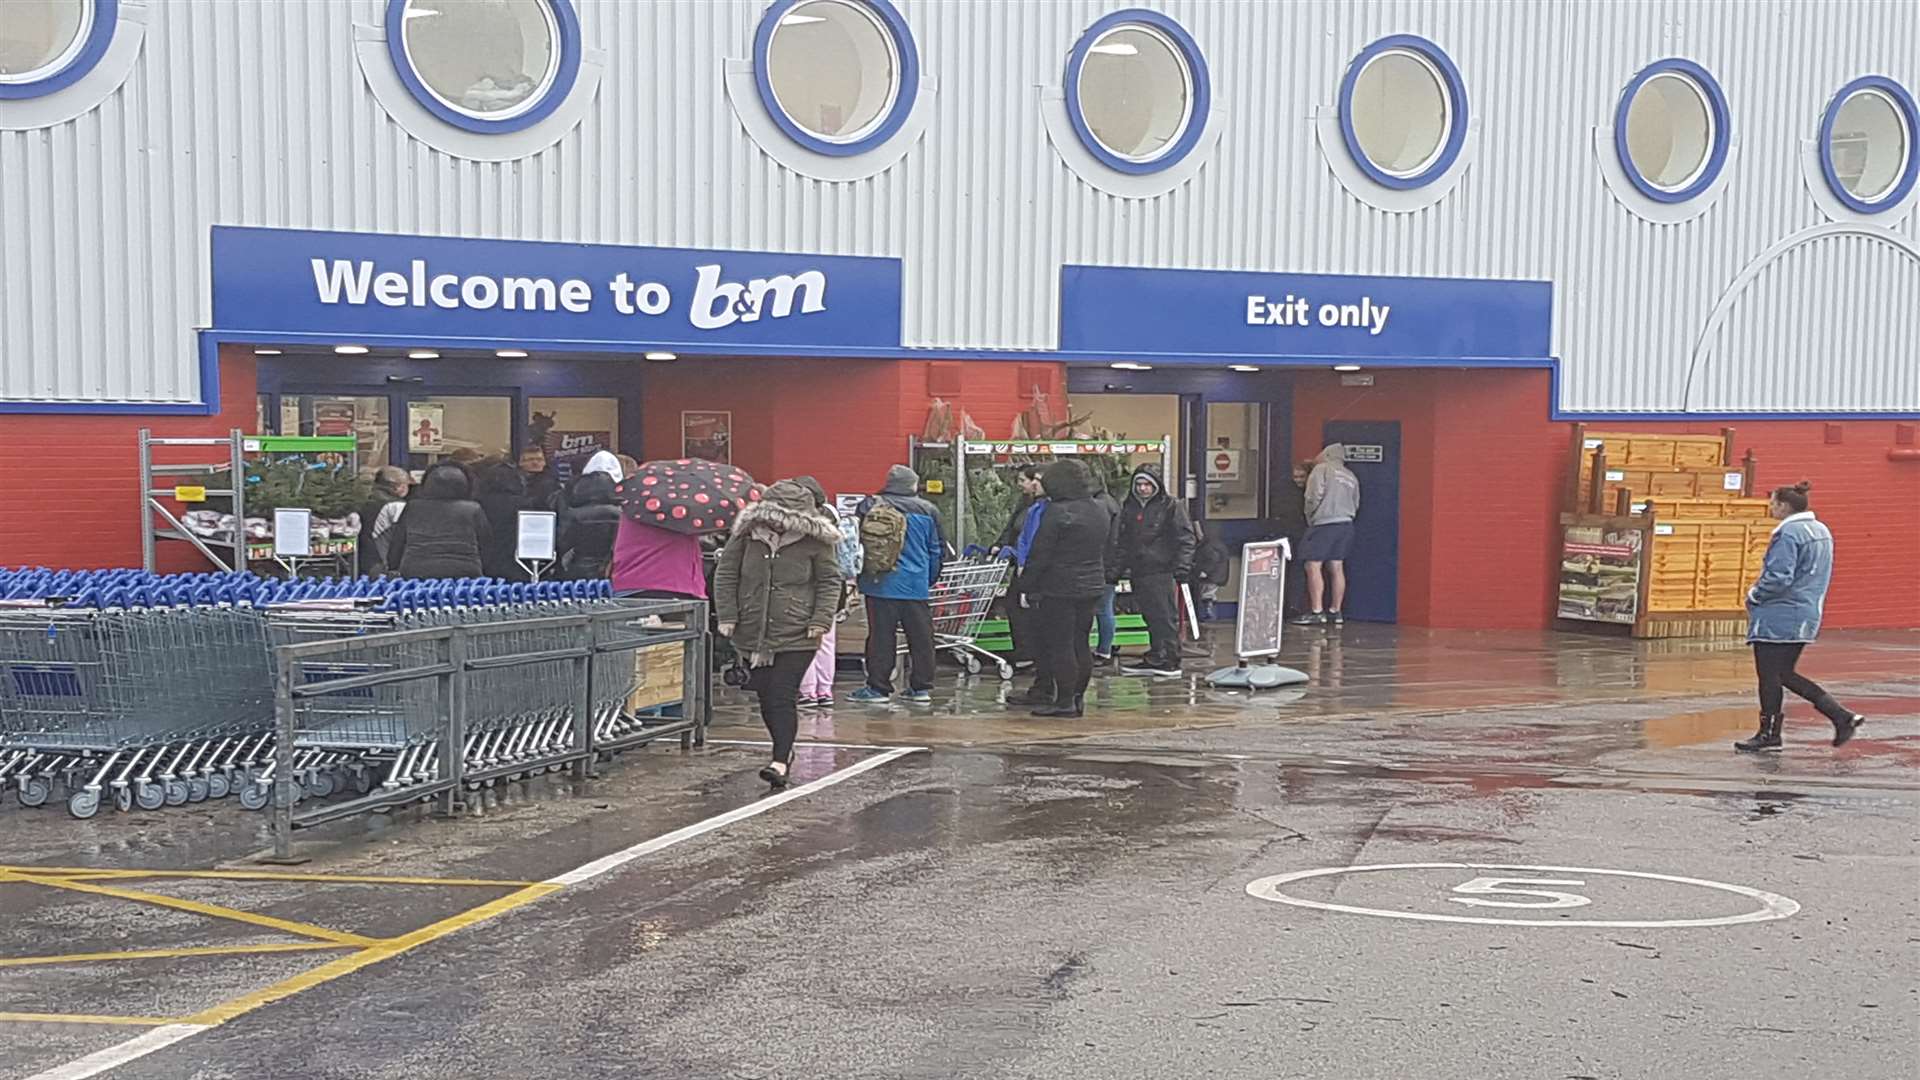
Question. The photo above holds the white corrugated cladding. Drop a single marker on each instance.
(255, 112)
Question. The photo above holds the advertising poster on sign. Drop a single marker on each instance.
(707, 436)
(569, 451)
(426, 427)
(1600, 574)
(1263, 586)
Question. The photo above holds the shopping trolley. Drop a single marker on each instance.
(959, 602)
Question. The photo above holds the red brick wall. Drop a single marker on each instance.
(1483, 472)
(843, 421)
(70, 483)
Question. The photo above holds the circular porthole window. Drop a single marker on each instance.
(1671, 130)
(1866, 144)
(46, 45)
(1403, 111)
(485, 65)
(1137, 91)
(838, 76)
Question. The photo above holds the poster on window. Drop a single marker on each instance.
(426, 427)
(569, 451)
(333, 418)
(707, 436)
(1600, 574)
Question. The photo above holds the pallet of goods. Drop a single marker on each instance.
(1662, 534)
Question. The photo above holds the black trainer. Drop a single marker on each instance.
(1311, 618)
(1336, 619)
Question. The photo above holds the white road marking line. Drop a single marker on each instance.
(101, 1061)
(1773, 905)
(647, 847)
(120, 1053)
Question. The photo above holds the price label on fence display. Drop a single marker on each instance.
(535, 540)
(1733, 481)
(292, 533)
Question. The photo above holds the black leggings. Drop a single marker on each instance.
(1774, 661)
(1065, 626)
(778, 686)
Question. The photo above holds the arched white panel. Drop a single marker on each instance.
(1823, 321)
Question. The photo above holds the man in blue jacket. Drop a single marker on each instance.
(897, 599)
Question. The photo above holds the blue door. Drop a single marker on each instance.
(1373, 569)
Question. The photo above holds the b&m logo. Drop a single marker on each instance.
(715, 302)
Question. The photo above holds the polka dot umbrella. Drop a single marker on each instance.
(687, 496)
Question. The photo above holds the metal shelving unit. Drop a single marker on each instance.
(158, 521)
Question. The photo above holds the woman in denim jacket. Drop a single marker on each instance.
(1783, 617)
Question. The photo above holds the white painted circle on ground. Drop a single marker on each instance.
(1773, 906)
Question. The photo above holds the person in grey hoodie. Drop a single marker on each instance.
(1333, 498)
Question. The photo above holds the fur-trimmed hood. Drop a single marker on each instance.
(787, 508)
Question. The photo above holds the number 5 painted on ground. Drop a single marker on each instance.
(1497, 886)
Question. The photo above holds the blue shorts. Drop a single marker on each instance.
(1327, 543)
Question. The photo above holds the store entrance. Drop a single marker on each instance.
(1373, 567)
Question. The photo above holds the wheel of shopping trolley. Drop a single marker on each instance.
(362, 780)
(217, 787)
(123, 798)
(198, 789)
(83, 804)
(254, 796)
(972, 662)
(36, 791)
(176, 793)
(1006, 671)
(148, 795)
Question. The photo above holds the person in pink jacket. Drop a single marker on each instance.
(816, 686)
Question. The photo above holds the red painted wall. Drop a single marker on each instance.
(1482, 484)
(843, 421)
(70, 484)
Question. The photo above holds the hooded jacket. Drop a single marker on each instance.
(1333, 492)
(442, 532)
(772, 593)
(1068, 556)
(1155, 534)
(584, 544)
(503, 494)
(1788, 600)
(924, 551)
(373, 540)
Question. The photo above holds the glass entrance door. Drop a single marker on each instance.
(460, 428)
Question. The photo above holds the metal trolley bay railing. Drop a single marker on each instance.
(146, 691)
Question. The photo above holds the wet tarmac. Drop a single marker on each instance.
(1036, 899)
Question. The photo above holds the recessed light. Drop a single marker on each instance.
(663, 356)
(266, 352)
(509, 354)
(1241, 367)
(1128, 365)
(1346, 367)
(423, 354)
(350, 350)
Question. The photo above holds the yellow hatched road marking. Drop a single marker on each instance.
(366, 957)
(212, 911)
(169, 954)
(80, 873)
(82, 1018)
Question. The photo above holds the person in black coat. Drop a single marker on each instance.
(1066, 572)
(1154, 552)
(390, 485)
(584, 545)
(442, 532)
(503, 494)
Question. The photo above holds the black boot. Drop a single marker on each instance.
(1844, 727)
(1038, 694)
(1767, 738)
(1069, 710)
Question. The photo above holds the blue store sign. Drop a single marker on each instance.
(375, 286)
(1205, 314)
